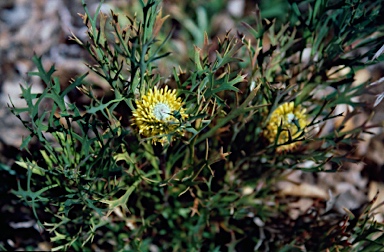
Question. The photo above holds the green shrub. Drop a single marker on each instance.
(190, 162)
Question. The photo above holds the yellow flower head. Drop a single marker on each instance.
(293, 121)
(158, 114)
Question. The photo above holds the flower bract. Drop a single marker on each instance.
(159, 114)
(287, 123)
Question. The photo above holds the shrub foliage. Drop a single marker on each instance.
(204, 178)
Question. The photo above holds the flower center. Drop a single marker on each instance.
(161, 111)
(290, 117)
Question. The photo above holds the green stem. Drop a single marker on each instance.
(233, 114)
